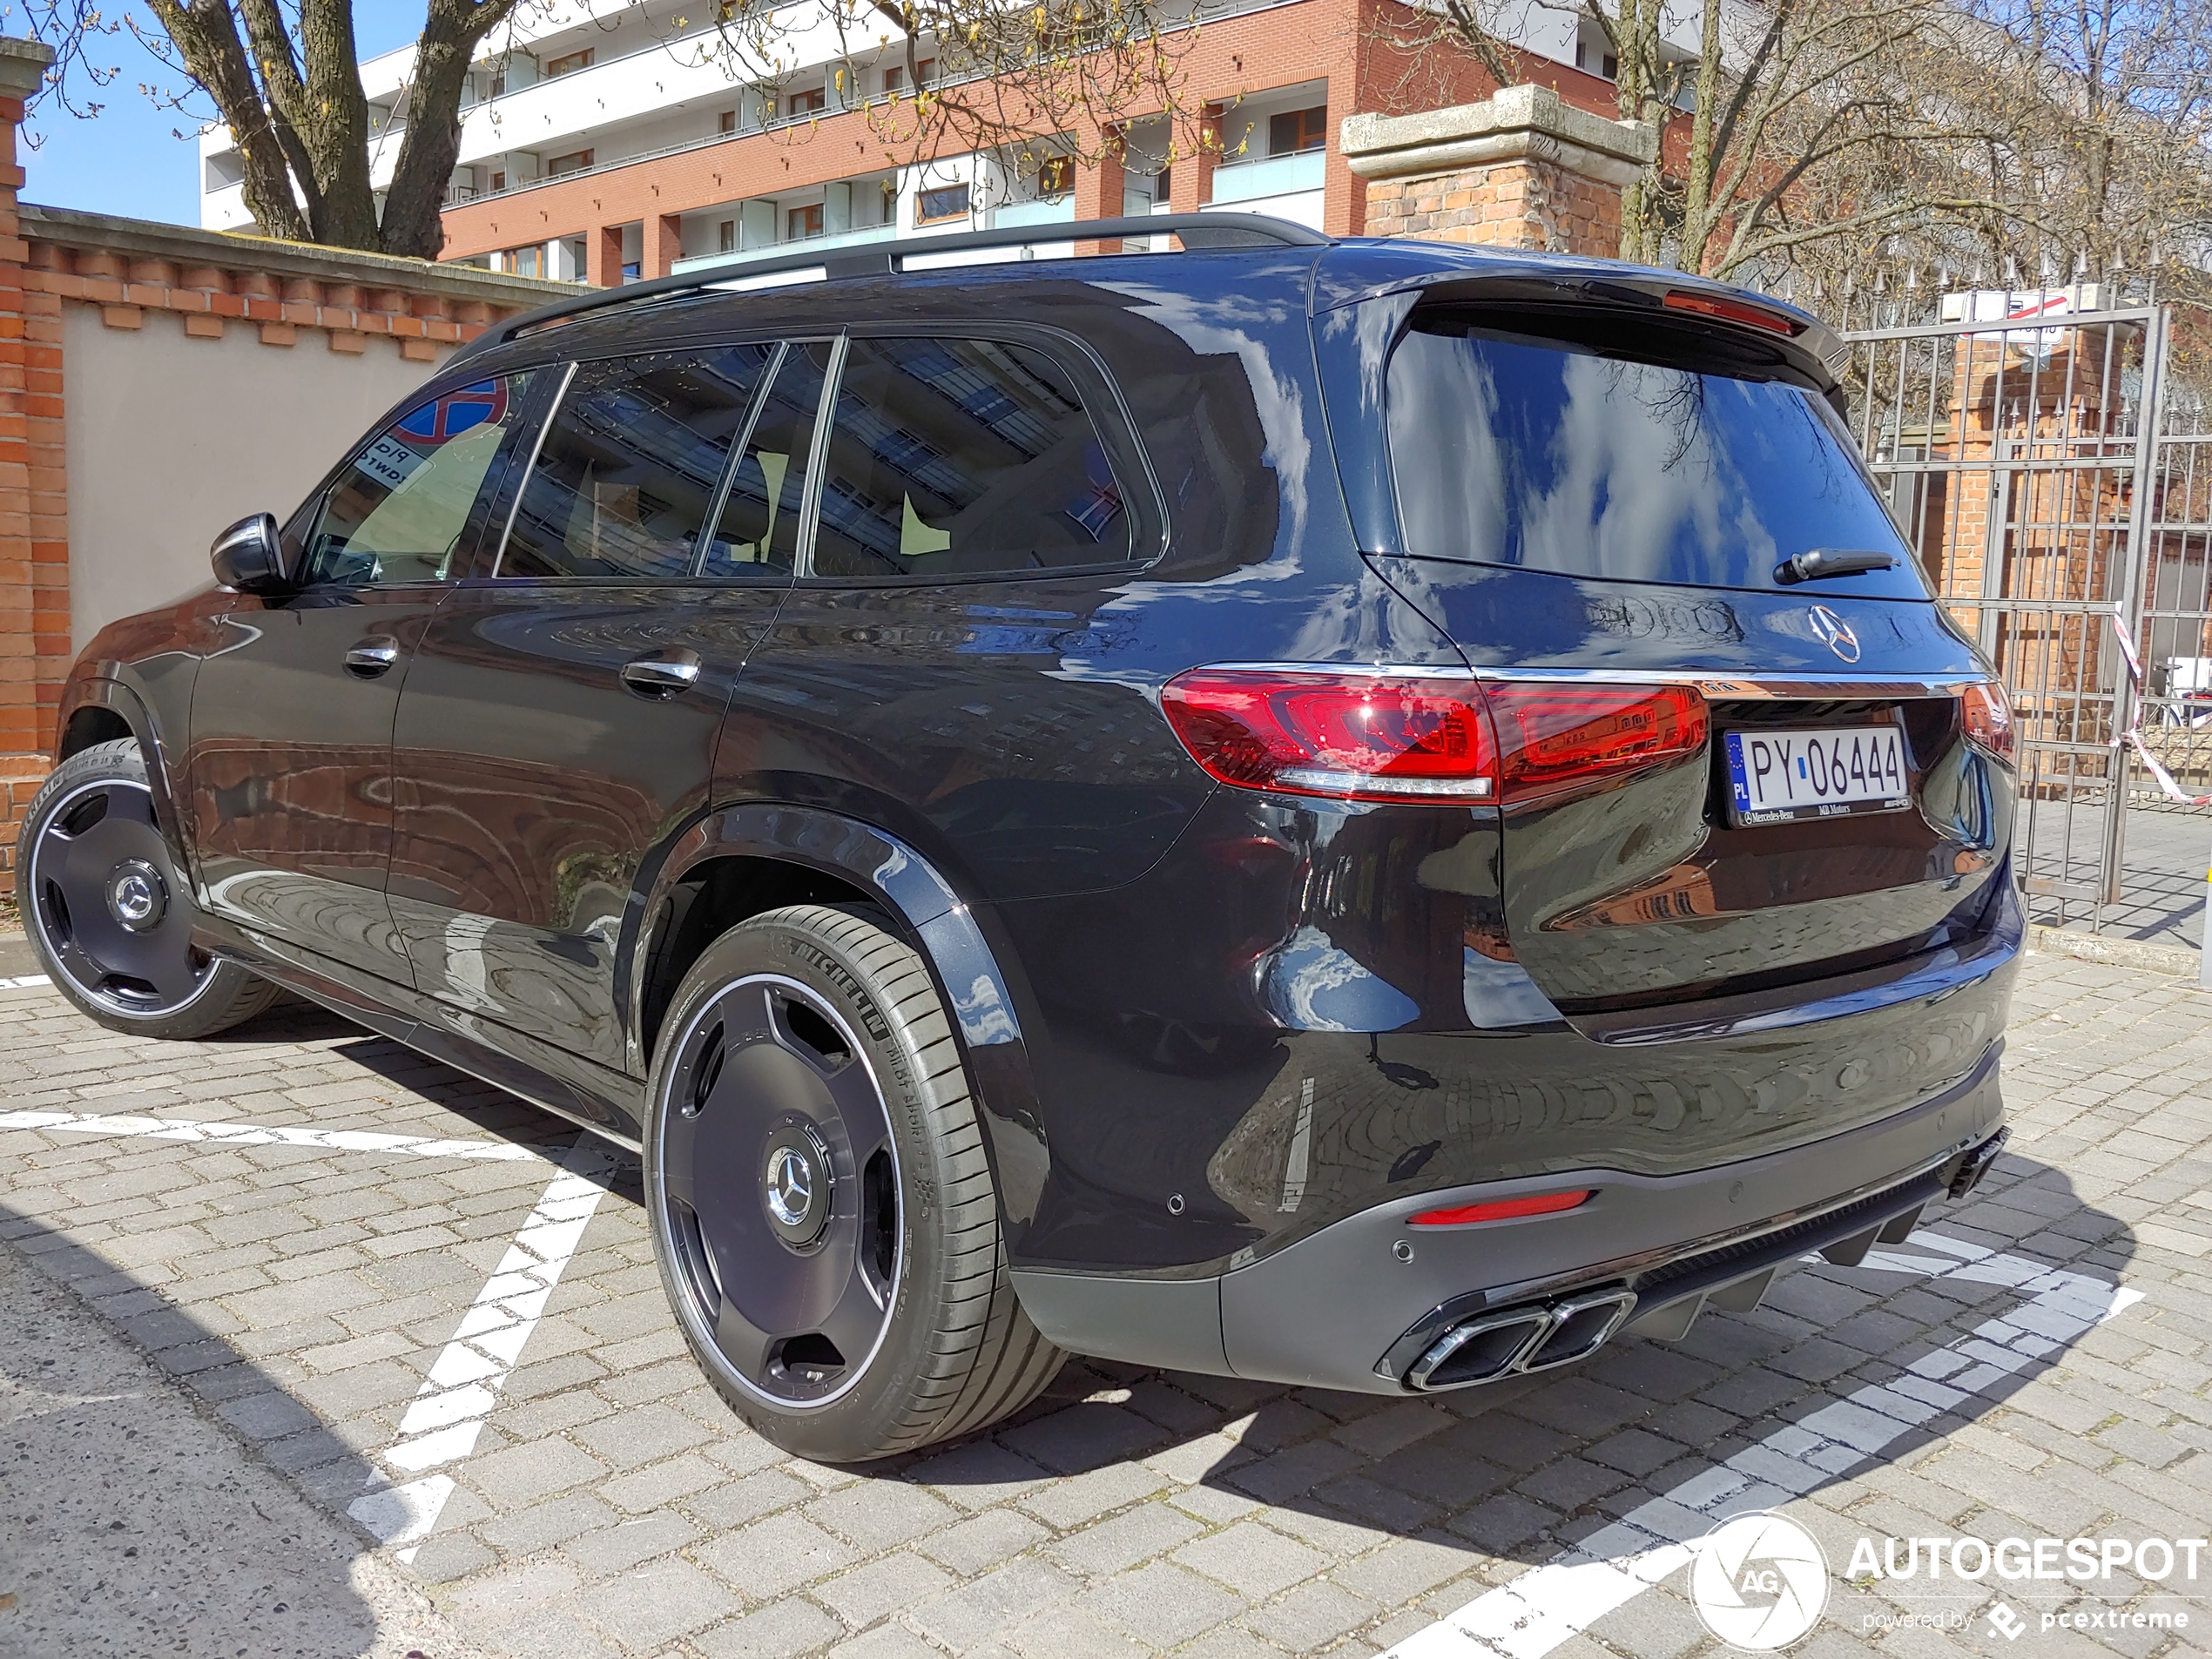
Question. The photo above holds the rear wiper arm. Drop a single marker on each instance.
(1819, 562)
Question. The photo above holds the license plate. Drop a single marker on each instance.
(1774, 775)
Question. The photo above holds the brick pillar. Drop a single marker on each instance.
(664, 244)
(1521, 169)
(603, 257)
(1191, 181)
(1098, 193)
(34, 571)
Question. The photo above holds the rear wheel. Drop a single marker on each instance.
(110, 913)
(823, 1213)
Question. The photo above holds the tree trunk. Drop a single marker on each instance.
(1697, 182)
(415, 199)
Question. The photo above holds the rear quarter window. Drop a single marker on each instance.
(1547, 455)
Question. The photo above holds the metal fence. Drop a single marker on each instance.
(2058, 490)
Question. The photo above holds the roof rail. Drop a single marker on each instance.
(887, 258)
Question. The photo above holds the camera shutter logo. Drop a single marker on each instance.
(1759, 1581)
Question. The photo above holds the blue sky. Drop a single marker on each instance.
(124, 159)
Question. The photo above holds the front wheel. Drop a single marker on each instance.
(823, 1213)
(108, 911)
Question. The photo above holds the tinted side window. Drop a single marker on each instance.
(399, 512)
(632, 459)
(759, 525)
(955, 457)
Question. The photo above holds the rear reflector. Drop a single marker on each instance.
(1987, 714)
(1708, 305)
(1360, 736)
(1543, 1203)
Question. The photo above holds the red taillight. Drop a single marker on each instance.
(1359, 736)
(1543, 1203)
(1559, 736)
(1988, 717)
(1708, 305)
(1355, 737)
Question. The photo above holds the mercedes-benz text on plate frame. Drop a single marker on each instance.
(1775, 776)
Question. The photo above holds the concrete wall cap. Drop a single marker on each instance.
(22, 65)
(1516, 123)
(227, 250)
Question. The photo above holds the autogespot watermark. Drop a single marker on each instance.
(1760, 1582)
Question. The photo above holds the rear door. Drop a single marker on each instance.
(562, 712)
(1602, 518)
(290, 760)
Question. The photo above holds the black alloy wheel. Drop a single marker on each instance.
(822, 1208)
(795, 1268)
(109, 913)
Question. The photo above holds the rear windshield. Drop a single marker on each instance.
(1552, 456)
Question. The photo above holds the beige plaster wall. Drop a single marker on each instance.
(169, 439)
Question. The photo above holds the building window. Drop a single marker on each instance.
(1609, 61)
(1297, 131)
(572, 62)
(1056, 175)
(526, 261)
(575, 161)
(726, 122)
(499, 84)
(726, 237)
(935, 206)
(1160, 186)
(894, 78)
(498, 181)
(802, 222)
(807, 102)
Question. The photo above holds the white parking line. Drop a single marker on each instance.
(232, 1134)
(1548, 1605)
(23, 981)
(441, 1425)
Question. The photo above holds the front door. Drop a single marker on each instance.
(289, 761)
(561, 715)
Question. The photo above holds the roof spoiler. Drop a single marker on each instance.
(1197, 231)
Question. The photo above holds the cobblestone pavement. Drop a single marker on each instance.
(331, 1247)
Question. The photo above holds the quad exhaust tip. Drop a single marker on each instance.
(1521, 1341)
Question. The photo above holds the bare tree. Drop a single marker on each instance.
(1808, 134)
(1062, 77)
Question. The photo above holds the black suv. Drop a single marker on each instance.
(1367, 815)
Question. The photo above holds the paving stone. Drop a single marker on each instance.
(780, 1630)
(654, 1605)
(1252, 1560)
(882, 1515)
(982, 1541)
(780, 1553)
(862, 1595)
(1163, 1604)
(1115, 1546)
(522, 1475)
(962, 1618)
(618, 1548)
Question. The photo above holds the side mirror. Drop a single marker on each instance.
(249, 557)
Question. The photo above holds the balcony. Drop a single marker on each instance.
(809, 244)
(1243, 181)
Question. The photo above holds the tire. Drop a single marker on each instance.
(109, 912)
(872, 1314)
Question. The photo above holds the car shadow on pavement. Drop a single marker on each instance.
(132, 1521)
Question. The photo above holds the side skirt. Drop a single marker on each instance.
(607, 1103)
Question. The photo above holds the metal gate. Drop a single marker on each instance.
(2019, 440)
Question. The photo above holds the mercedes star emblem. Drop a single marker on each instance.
(1834, 632)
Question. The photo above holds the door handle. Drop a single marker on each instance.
(662, 674)
(372, 656)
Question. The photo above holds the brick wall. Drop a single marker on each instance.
(1519, 204)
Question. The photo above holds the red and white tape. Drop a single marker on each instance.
(2133, 736)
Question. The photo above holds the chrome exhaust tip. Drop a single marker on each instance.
(1479, 1351)
(1580, 1327)
(1521, 1341)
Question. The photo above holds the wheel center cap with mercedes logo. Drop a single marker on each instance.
(1834, 632)
(795, 1184)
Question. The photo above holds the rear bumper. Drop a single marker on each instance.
(1345, 1308)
